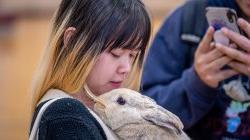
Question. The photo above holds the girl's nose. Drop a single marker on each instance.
(125, 66)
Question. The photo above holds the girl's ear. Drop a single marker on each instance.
(67, 34)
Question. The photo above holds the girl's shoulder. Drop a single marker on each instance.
(68, 117)
(65, 107)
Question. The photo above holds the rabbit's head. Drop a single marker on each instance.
(124, 106)
(118, 105)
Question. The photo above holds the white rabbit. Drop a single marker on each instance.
(133, 116)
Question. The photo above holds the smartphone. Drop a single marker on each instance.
(219, 17)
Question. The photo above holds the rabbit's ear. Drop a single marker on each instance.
(163, 118)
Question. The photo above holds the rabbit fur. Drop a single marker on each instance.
(133, 116)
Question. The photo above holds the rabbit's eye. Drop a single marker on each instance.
(121, 101)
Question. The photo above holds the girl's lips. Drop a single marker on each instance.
(115, 84)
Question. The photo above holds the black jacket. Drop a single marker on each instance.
(68, 119)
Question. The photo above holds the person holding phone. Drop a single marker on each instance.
(188, 78)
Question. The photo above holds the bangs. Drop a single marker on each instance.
(117, 24)
(128, 31)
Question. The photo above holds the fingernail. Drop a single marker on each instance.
(241, 21)
(211, 28)
(224, 30)
(218, 45)
(212, 44)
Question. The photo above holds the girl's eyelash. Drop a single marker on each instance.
(115, 55)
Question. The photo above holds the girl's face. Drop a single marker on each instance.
(110, 70)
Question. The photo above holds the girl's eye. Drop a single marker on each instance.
(115, 55)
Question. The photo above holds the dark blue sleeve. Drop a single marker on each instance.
(68, 119)
(170, 80)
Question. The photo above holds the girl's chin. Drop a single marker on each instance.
(108, 87)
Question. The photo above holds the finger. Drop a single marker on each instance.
(233, 45)
(225, 74)
(219, 63)
(204, 45)
(213, 55)
(241, 40)
(244, 25)
(234, 53)
(242, 68)
(212, 46)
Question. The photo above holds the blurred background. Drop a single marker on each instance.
(24, 29)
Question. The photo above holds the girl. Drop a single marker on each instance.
(98, 43)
